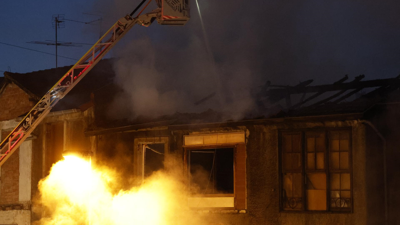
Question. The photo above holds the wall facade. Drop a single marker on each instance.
(22, 172)
(14, 102)
(262, 163)
(20, 217)
(15, 185)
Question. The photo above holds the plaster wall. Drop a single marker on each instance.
(25, 171)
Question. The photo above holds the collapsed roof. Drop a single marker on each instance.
(272, 101)
(354, 96)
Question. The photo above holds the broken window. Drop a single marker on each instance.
(315, 171)
(148, 156)
(153, 158)
(216, 169)
(211, 171)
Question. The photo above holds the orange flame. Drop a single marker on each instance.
(77, 193)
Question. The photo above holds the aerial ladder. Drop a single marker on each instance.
(169, 12)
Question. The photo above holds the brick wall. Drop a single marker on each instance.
(14, 102)
(9, 190)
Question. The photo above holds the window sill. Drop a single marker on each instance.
(211, 202)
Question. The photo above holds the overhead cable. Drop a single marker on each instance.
(16, 46)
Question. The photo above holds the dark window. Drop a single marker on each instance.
(315, 169)
(153, 158)
(54, 144)
(211, 171)
(292, 171)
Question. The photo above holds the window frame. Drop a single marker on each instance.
(239, 203)
(138, 154)
(187, 162)
(327, 169)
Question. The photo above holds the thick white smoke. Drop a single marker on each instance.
(152, 89)
(252, 42)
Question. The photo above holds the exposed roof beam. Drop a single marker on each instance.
(329, 98)
(336, 87)
(347, 95)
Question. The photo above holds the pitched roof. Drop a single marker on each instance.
(37, 83)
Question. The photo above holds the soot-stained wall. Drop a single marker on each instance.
(386, 120)
(262, 169)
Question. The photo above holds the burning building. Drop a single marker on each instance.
(311, 154)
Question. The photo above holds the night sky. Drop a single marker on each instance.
(285, 42)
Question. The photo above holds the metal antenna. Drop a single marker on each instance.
(58, 22)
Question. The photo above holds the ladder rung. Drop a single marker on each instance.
(83, 65)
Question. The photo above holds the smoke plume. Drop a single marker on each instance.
(250, 43)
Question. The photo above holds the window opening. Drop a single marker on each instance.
(292, 171)
(211, 171)
(316, 171)
(153, 158)
(339, 170)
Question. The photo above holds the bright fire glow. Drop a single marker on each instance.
(76, 193)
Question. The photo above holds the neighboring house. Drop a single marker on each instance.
(62, 129)
(328, 157)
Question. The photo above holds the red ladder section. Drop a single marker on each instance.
(68, 81)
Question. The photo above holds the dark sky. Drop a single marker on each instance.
(278, 39)
(23, 21)
(251, 42)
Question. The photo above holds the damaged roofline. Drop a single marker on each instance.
(128, 128)
(167, 125)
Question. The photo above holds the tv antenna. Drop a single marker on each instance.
(58, 21)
